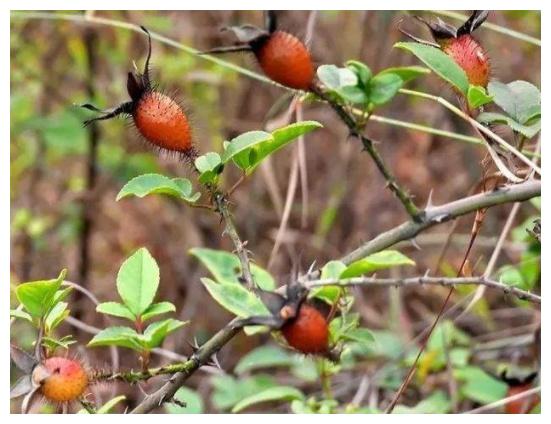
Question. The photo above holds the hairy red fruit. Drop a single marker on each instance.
(471, 57)
(163, 122)
(308, 332)
(66, 381)
(286, 60)
(524, 405)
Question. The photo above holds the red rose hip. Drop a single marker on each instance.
(308, 332)
(66, 381)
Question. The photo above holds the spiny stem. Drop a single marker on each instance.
(222, 206)
(369, 147)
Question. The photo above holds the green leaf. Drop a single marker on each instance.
(155, 333)
(62, 294)
(53, 344)
(118, 336)
(225, 267)
(341, 325)
(17, 313)
(479, 386)
(377, 261)
(382, 88)
(109, 405)
(56, 316)
(528, 131)
(38, 297)
(250, 149)
(146, 184)
(335, 78)
(208, 162)
(361, 70)
(264, 357)
(229, 390)
(235, 298)
(282, 393)
(280, 138)
(476, 96)
(512, 277)
(360, 335)
(519, 99)
(243, 144)
(210, 166)
(192, 400)
(116, 309)
(443, 65)
(158, 309)
(354, 95)
(436, 403)
(138, 280)
(406, 73)
(329, 294)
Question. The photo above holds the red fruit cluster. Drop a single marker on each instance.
(67, 379)
(162, 122)
(471, 57)
(308, 332)
(286, 60)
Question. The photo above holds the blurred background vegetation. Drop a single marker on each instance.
(64, 179)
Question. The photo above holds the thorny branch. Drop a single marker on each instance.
(369, 147)
(430, 217)
(240, 250)
(198, 359)
(426, 280)
(434, 215)
(421, 220)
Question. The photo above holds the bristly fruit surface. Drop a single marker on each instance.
(471, 57)
(162, 122)
(460, 45)
(286, 60)
(282, 56)
(159, 118)
(67, 379)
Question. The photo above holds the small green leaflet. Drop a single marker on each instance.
(235, 298)
(225, 267)
(476, 96)
(377, 261)
(209, 165)
(248, 150)
(39, 297)
(281, 393)
(519, 99)
(335, 78)
(138, 280)
(146, 184)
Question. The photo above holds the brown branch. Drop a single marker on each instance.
(435, 215)
(429, 281)
(198, 359)
(369, 147)
(430, 217)
(222, 207)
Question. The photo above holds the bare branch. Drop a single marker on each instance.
(424, 280)
(439, 214)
